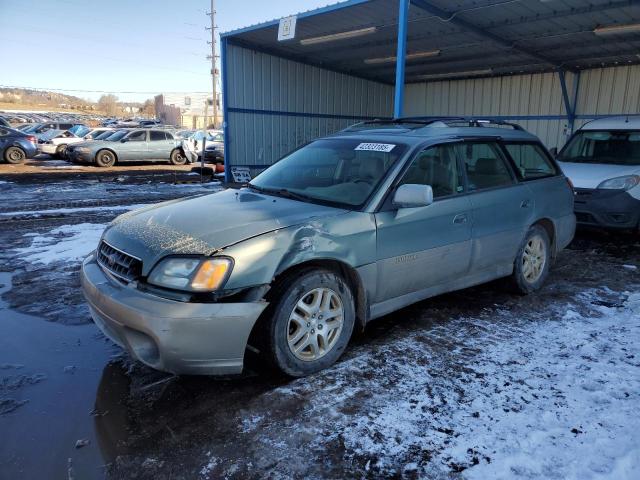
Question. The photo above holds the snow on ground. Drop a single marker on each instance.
(115, 208)
(68, 243)
(555, 395)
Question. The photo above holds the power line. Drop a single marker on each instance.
(43, 89)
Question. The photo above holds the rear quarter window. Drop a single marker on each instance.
(530, 161)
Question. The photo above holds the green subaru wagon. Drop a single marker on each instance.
(344, 230)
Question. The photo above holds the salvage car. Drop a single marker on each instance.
(602, 159)
(214, 146)
(136, 145)
(344, 230)
(16, 146)
(55, 142)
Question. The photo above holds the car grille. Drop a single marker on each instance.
(120, 264)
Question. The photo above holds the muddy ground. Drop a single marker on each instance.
(474, 384)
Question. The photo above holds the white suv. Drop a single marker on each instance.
(602, 160)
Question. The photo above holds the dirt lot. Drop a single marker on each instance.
(474, 384)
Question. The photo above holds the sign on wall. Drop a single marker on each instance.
(287, 28)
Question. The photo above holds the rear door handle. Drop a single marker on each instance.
(460, 218)
(525, 203)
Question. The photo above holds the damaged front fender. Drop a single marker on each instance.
(349, 239)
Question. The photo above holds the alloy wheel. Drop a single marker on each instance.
(534, 259)
(315, 324)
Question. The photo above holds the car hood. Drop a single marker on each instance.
(206, 224)
(590, 175)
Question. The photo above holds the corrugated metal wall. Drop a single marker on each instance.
(534, 101)
(607, 91)
(274, 104)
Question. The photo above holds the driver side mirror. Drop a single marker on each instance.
(124, 140)
(412, 195)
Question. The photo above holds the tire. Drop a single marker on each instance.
(288, 326)
(177, 157)
(15, 155)
(60, 151)
(105, 158)
(533, 260)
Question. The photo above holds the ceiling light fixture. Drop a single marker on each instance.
(618, 29)
(338, 36)
(410, 56)
(470, 73)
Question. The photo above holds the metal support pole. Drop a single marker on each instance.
(567, 103)
(225, 110)
(213, 63)
(576, 90)
(403, 16)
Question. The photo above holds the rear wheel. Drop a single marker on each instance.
(532, 263)
(15, 155)
(309, 323)
(105, 158)
(178, 157)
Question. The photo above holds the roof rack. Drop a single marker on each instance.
(420, 122)
(467, 121)
(417, 122)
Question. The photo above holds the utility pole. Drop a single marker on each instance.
(213, 58)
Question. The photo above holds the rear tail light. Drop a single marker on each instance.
(32, 139)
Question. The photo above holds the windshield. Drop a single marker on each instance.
(104, 135)
(339, 171)
(606, 146)
(79, 130)
(114, 137)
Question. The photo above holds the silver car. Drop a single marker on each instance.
(341, 231)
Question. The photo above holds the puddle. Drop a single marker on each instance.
(49, 375)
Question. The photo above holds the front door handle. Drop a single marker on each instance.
(525, 203)
(460, 218)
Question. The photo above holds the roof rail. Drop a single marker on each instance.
(416, 122)
(468, 121)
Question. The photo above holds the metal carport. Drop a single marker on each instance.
(549, 64)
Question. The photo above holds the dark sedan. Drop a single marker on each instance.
(15, 146)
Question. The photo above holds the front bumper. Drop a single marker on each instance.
(606, 208)
(79, 157)
(176, 337)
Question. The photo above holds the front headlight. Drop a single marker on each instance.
(621, 183)
(191, 273)
(83, 150)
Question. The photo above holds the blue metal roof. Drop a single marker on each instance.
(472, 38)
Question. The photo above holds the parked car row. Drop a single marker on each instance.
(15, 118)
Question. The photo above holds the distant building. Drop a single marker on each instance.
(185, 109)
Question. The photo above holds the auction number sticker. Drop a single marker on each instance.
(376, 147)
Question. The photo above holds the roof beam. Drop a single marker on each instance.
(451, 17)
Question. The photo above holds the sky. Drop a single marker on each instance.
(148, 46)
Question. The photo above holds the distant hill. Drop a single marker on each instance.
(37, 99)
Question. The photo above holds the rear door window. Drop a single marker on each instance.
(156, 135)
(530, 160)
(485, 165)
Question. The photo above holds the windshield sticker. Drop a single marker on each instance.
(376, 147)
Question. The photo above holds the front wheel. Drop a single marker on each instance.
(105, 158)
(310, 323)
(15, 155)
(178, 157)
(60, 151)
(531, 267)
